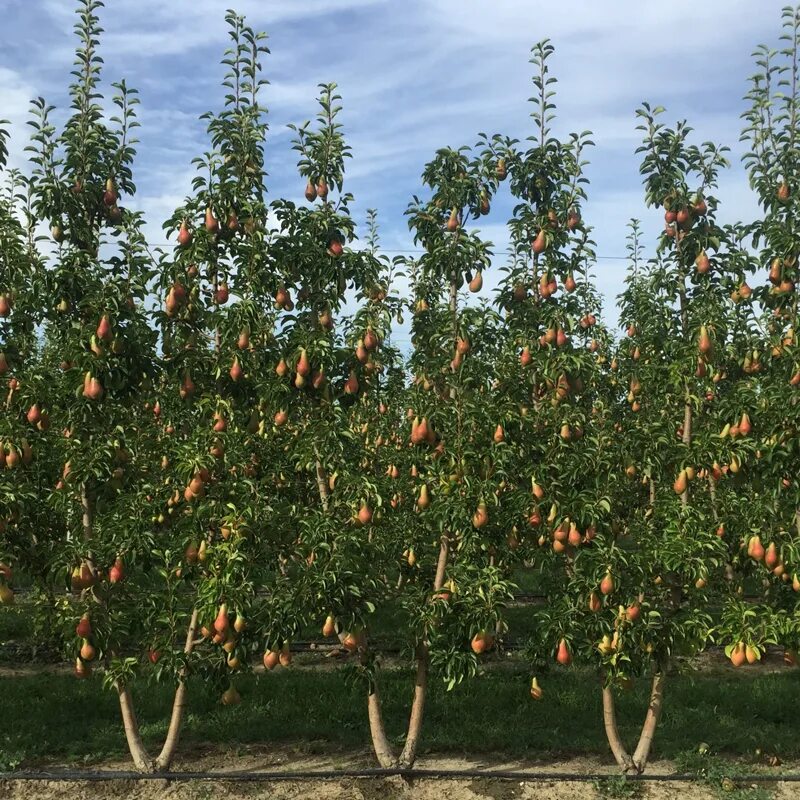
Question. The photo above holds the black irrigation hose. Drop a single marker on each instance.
(67, 776)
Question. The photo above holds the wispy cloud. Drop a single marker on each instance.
(414, 76)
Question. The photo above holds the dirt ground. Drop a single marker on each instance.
(363, 788)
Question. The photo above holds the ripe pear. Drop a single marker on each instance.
(329, 628)
(607, 584)
(88, 652)
(481, 515)
(536, 690)
(184, 235)
(221, 623)
(83, 630)
(231, 697)
(563, 655)
(365, 514)
(424, 498)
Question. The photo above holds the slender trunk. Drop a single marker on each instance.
(380, 743)
(712, 491)
(409, 754)
(322, 482)
(612, 731)
(164, 760)
(638, 761)
(642, 752)
(687, 437)
(140, 756)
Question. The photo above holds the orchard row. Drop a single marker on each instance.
(203, 453)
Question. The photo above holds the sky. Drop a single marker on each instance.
(414, 76)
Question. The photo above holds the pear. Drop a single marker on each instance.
(230, 697)
(184, 235)
(499, 435)
(681, 482)
(322, 189)
(285, 656)
(88, 652)
(536, 690)
(365, 514)
(771, 556)
(211, 223)
(501, 170)
(221, 623)
(607, 584)
(311, 192)
(110, 195)
(702, 262)
(755, 549)
(563, 656)
(453, 221)
(329, 628)
(82, 669)
(745, 427)
(594, 603)
(236, 371)
(351, 385)
(117, 571)
(704, 341)
(783, 192)
(476, 284)
(481, 642)
(83, 630)
(481, 516)
(539, 243)
(6, 595)
(271, 659)
(103, 331)
(424, 498)
(303, 365)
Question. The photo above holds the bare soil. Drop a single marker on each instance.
(362, 788)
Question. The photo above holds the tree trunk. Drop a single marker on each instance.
(164, 760)
(638, 762)
(642, 751)
(140, 756)
(612, 731)
(409, 754)
(380, 743)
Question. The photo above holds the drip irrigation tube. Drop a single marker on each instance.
(67, 776)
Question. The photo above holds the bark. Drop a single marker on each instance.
(164, 760)
(687, 437)
(409, 754)
(140, 756)
(322, 483)
(612, 731)
(642, 752)
(380, 743)
(638, 762)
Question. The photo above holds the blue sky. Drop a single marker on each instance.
(414, 76)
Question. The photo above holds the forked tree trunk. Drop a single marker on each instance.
(141, 758)
(167, 754)
(383, 750)
(380, 743)
(638, 762)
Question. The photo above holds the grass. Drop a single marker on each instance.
(55, 717)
